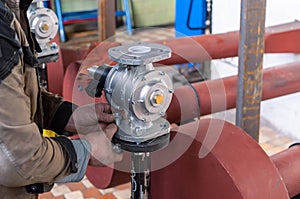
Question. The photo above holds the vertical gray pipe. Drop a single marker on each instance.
(251, 50)
(140, 175)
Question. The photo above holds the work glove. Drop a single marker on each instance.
(95, 123)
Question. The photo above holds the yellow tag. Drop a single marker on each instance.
(49, 133)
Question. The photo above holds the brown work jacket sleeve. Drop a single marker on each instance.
(26, 157)
(56, 112)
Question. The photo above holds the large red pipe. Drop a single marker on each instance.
(278, 39)
(219, 95)
(282, 38)
(288, 164)
(235, 167)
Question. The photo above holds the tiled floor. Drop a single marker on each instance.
(270, 140)
(85, 190)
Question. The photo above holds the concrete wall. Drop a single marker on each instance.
(283, 112)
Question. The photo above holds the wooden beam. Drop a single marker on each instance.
(106, 19)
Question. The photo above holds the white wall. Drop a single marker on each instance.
(226, 13)
(283, 112)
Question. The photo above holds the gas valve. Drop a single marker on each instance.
(138, 94)
(44, 24)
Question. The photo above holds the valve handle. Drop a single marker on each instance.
(99, 74)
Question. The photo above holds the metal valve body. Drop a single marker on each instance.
(44, 23)
(139, 94)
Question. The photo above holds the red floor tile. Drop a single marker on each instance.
(107, 196)
(91, 192)
(76, 186)
(46, 195)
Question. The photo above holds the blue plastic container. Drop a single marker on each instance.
(190, 17)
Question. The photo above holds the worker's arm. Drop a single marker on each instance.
(26, 157)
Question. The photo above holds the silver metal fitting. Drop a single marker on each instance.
(44, 23)
(139, 94)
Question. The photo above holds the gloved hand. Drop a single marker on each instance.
(94, 123)
(102, 152)
(90, 118)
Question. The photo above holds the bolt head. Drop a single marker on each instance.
(158, 99)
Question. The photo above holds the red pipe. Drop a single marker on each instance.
(236, 167)
(219, 95)
(278, 39)
(288, 164)
(55, 73)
